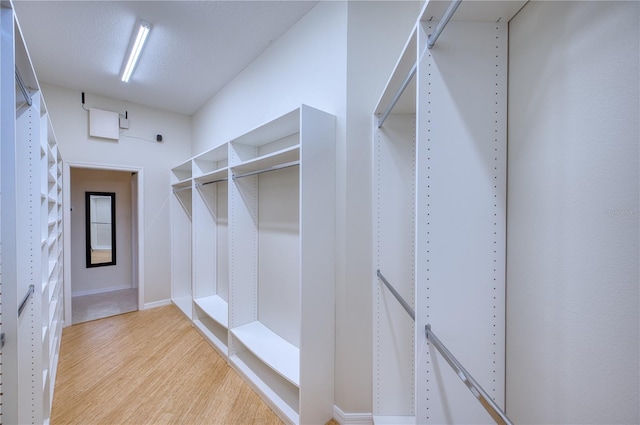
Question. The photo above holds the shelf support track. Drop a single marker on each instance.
(396, 294)
(487, 402)
(23, 89)
(264, 170)
(26, 299)
(433, 37)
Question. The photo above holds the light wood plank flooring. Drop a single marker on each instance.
(149, 367)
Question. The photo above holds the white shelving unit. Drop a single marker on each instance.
(282, 262)
(31, 235)
(440, 195)
(263, 257)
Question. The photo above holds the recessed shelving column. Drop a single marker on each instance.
(210, 247)
(181, 218)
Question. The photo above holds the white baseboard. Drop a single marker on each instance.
(351, 418)
(155, 304)
(100, 291)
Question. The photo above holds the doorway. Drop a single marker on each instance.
(97, 290)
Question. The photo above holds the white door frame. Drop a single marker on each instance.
(138, 256)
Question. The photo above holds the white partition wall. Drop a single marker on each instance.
(254, 231)
(440, 189)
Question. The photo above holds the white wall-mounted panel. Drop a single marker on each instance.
(103, 124)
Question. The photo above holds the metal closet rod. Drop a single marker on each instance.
(396, 294)
(401, 90)
(212, 182)
(264, 170)
(26, 299)
(433, 37)
(180, 189)
(431, 41)
(23, 89)
(487, 402)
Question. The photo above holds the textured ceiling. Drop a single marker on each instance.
(193, 50)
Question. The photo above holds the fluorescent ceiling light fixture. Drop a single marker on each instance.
(136, 49)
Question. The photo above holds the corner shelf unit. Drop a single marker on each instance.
(31, 235)
(439, 191)
(262, 258)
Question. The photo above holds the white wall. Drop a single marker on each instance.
(136, 148)
(305, 65)
(95, 279)
(573, 257)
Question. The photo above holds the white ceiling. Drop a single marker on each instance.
(193, 50)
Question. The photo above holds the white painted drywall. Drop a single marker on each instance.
(573, 201)
(136, 148)
(305, 65)
(97, 279)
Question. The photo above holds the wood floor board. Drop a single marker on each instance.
(149, 367)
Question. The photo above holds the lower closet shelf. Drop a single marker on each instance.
(215, 307)
(210, 317)
(277, 353)
(281, 395)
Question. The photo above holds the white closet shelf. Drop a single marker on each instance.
(216, 308)
(407, 103)
(279, 128)
(265, 162)
(212, 176)
(209, 161)
(182, 184)
(218, 344)
(242, 362)
(277, 353)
